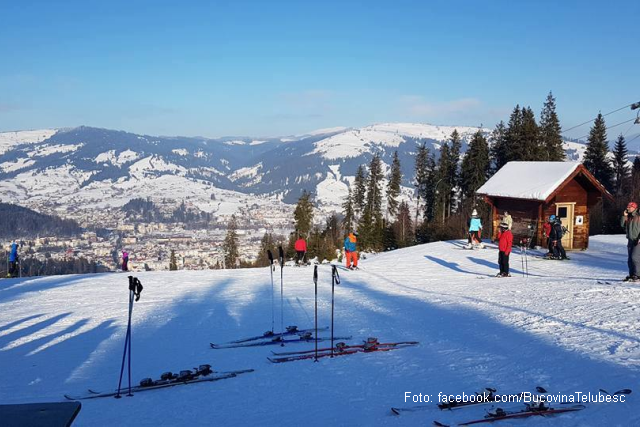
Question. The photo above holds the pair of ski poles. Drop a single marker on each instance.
(281, 261)
(135, 289)
(335, 279)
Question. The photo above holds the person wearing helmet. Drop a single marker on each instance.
(631, 223)
(475, 228)
(505, 242)
(546, 229)
(350, 251)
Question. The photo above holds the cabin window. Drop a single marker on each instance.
(562, 212)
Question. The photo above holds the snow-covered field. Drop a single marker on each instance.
(559, 328)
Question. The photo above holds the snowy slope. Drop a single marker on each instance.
(11, 139)
(559, 328)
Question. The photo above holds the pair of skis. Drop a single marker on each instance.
(167, 380)
(341, 349)
(291, 330)
(303, 338)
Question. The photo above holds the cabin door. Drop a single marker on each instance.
(565, 212)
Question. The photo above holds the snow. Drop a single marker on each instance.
(47, 150)
(332, 191)
(180, 151)
(109, 157)
(235, 142)
(559, 328)
(17, 165)
(10, 139)
(528, 180)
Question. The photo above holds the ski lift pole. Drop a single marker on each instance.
(315, 282)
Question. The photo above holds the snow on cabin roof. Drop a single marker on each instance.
(528, 180)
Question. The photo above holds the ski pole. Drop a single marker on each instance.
(522, 257)
(135, 289)
(281, 258)
(335, 279)
(526, 259)
(315, 281)
(271, 268)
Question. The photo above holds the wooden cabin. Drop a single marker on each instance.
(532, 191)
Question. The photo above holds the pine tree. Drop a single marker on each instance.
(359, 190)
(595, 156)
(422, 174)
(620, 166)
(454, 172)
(499, 147)
(371, 225)
(403, 226)
(531, 136)
(230, 244)
(267, 243)
(393, 187)
(303, 214)
(635, 179)
(514, 148)
(475, 165)
(551, 132)
(430, 191)
(349, 214)
(443, 178)
(173, 263)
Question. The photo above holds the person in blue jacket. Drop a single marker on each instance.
(475, 229)
(13, 260)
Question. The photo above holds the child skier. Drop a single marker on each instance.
(475, 228)
(505, 241)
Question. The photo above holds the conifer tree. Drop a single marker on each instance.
(173, 263)
(499, 147)
(422, 174)
(530, 141)
(371, 225)
(514, 148)
(551, 132)
(475, 165)
(303, 214)
(349, 214)
(267, 243)
(230, 244)
(595, 156)
(620, 166)
(430, 191)
(443, 181)
(359, 190)
(454, 172)
(403, 226)
(393, 187)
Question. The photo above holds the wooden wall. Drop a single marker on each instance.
(573, 192)
(523, 212)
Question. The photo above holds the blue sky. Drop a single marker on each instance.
(266, 68)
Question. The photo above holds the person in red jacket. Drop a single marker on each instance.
(505, 241)
(301, 250)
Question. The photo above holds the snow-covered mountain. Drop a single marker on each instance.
(90, 168)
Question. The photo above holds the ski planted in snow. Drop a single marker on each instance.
(307, 337)
(168, 379)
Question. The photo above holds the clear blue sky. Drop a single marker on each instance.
(266, 68)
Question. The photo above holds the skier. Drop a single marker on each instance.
(125, 261)
(505, 241)
(13, 260)
(631, 223)
(506, 218)
(546, 229)
(556, 239)
(301, 250)
(350, 251)
(475, 228)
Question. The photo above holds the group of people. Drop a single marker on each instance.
(350, 250)
(553, 231)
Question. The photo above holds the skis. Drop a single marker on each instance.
(500, 414)
(391, 344)
(276, 341)
(342, 351)
(291, 330)
(148, 384)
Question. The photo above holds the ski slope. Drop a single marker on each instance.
(559, 328)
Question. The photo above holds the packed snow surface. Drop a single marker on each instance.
(528, 180)
(564, 328)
